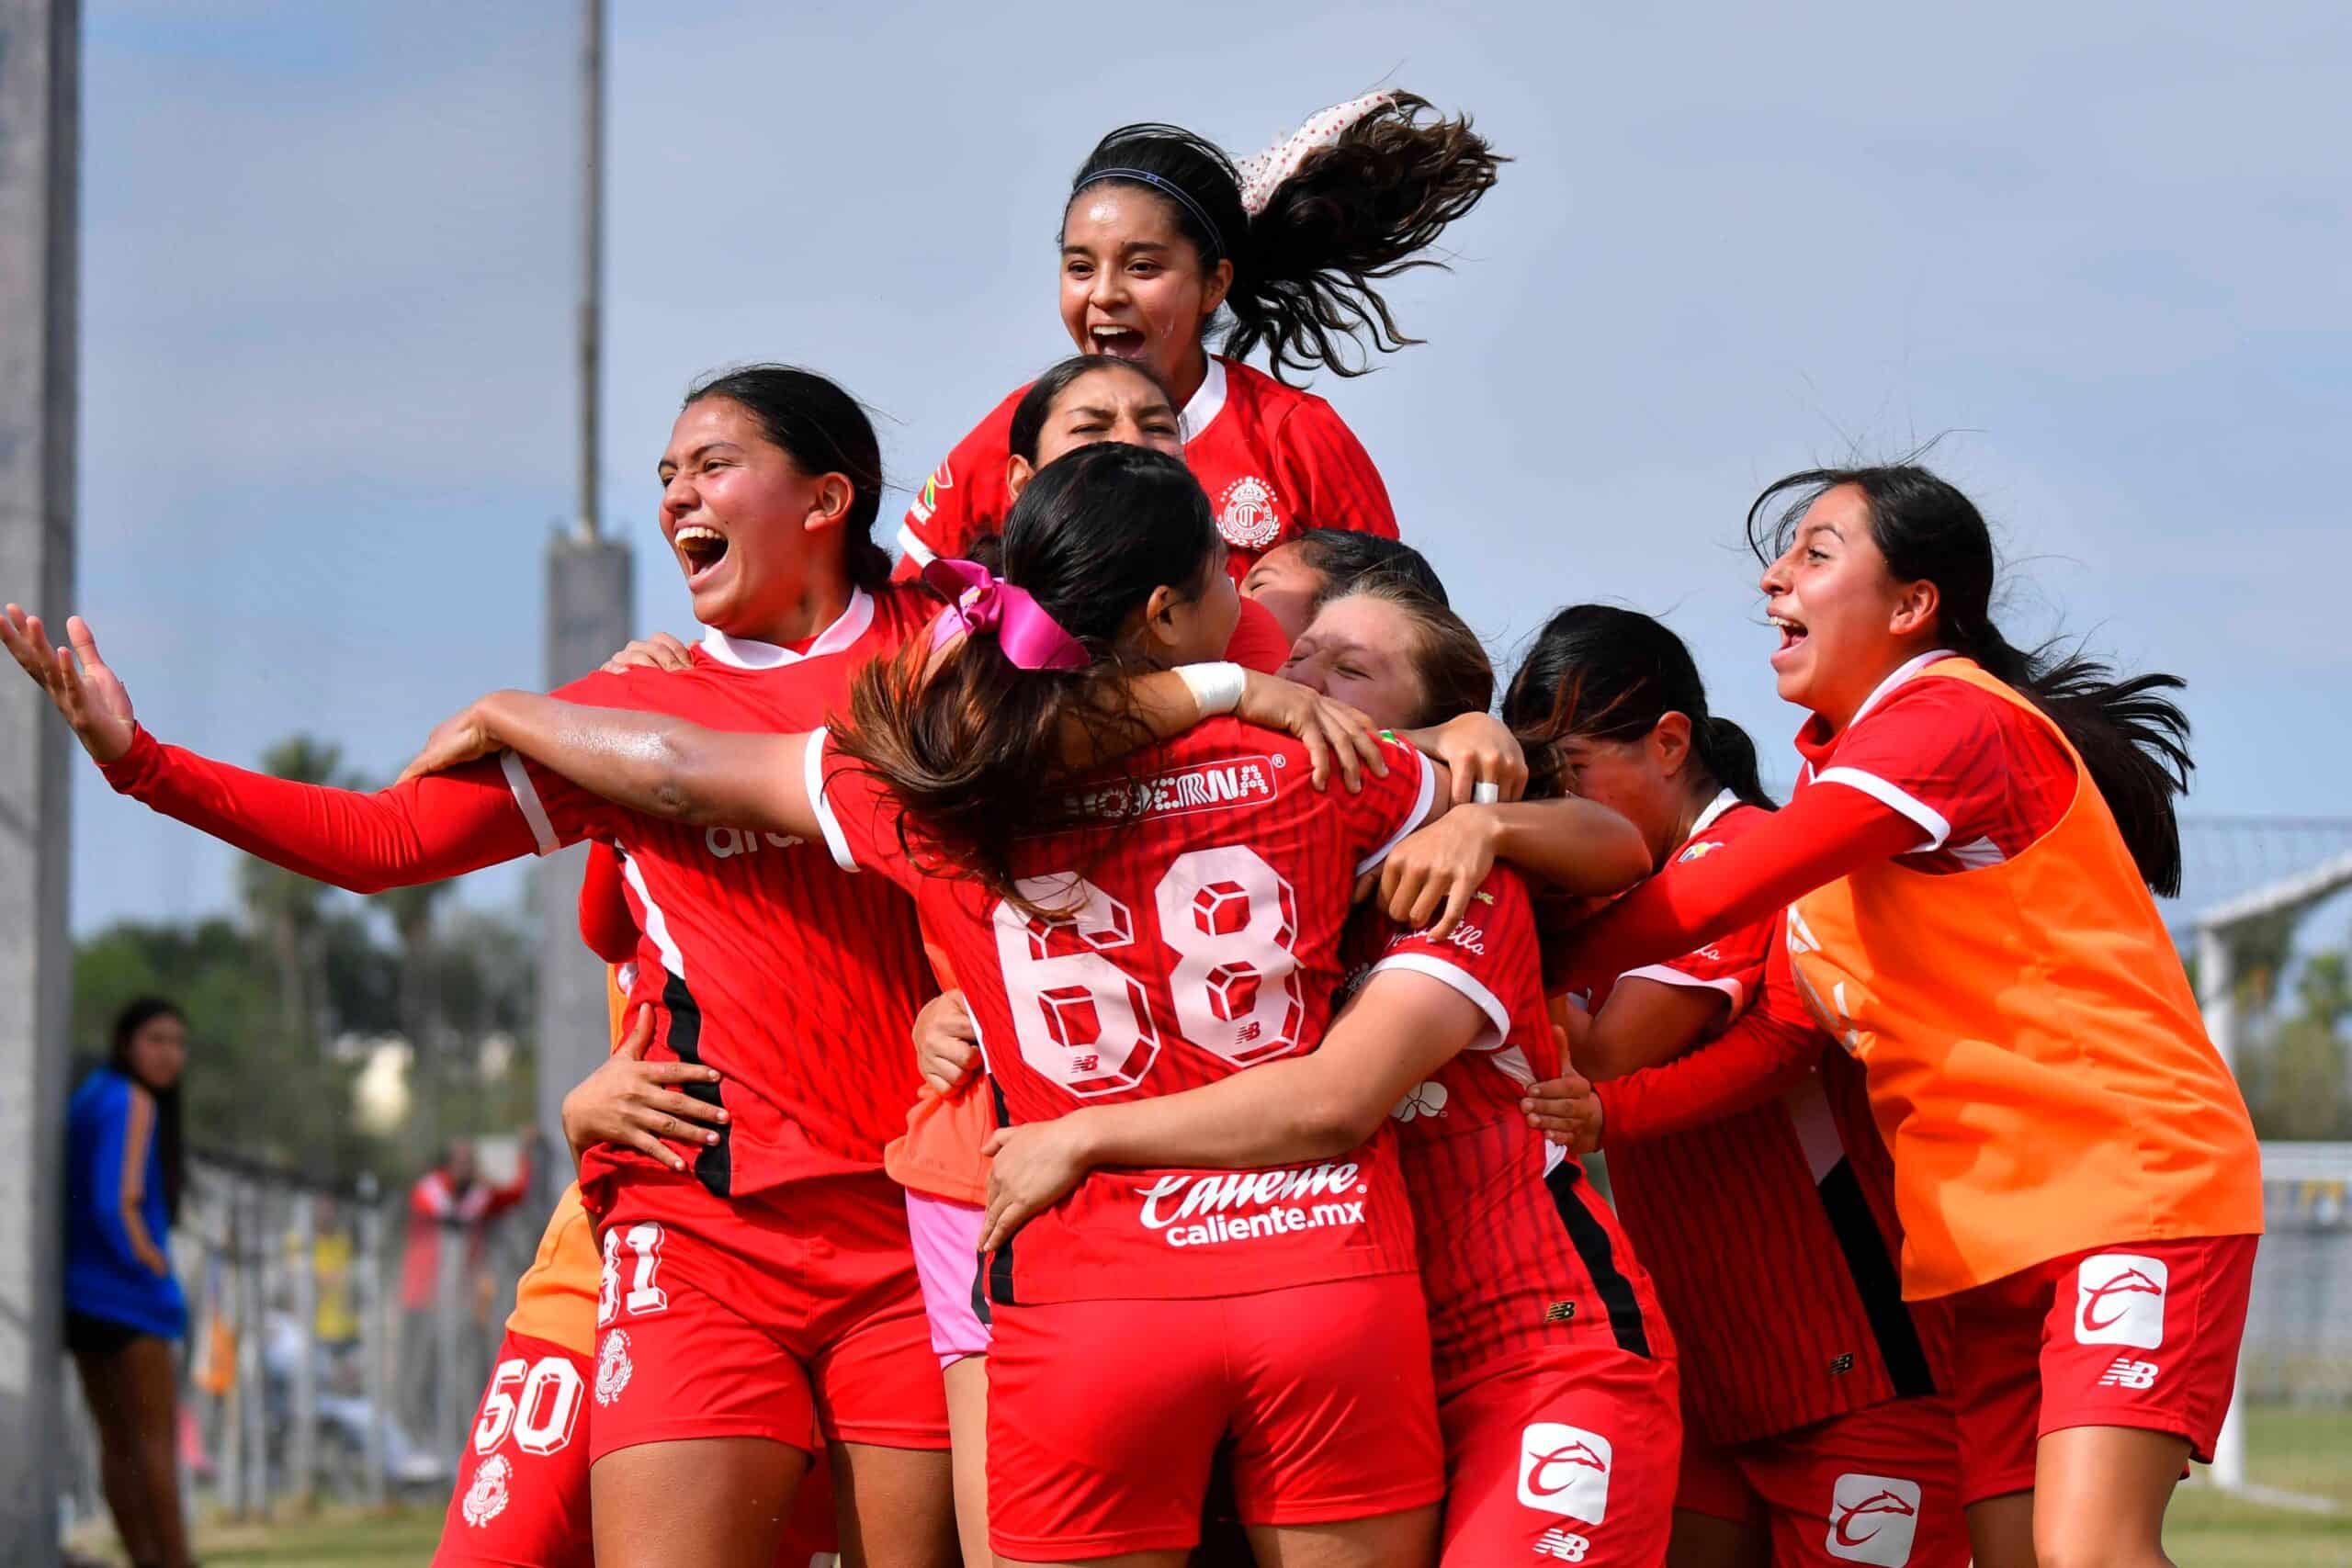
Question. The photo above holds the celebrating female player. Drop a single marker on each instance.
(1294, 578)
(1771, 1232)
(770, 1290)
(1160, 230)
(1119, 934)
(1966, 867)
(1554, 1368)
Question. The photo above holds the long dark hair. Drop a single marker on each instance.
(1356, 212)
(1598, 672)
(171, 1145)
(824, 430)
(2134, 740)
(1029, 414)
(970, 749)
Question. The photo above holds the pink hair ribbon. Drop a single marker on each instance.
(980, 603)
(1263, 174)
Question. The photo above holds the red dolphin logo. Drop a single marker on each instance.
(1567, 1454)
(2132, 1282)
(1879, 1502)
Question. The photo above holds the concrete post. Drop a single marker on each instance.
(590, 581)
(39, 168)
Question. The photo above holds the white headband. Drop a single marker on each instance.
(1262, 175)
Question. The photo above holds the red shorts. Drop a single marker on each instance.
(764, 1316)
(525, 1500)
(2144, 1333)
(1877, 1486)
(1564, 1457)
(522, 1493)
(1104, 1416)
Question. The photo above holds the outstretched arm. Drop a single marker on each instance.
(1400, 1028)
(1575, 845)
(421, 832)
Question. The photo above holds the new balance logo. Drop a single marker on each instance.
(1565, 1545)
(2129, 1373)
(2119, 1300)
(1564, 1470)
(1872, 1519)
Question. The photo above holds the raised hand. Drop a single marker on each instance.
(80, 685)
(1329, 729)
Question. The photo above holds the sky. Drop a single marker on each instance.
(2096, 253)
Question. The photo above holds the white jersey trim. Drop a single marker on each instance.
(1930, 819)
(1666, 975)
(813, 763)
(1205, 404)
(912, 545)
(1413, 818)
(527, 795)
(657, 924)
(1461, 980)
(743, 653)
(1909, 669)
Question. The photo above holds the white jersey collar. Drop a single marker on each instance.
(743, 653)
(1207, 404)
(1901, 675)
(1724, 800)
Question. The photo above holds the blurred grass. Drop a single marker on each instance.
(2305, 1451)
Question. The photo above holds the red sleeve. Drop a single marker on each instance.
(964, 499)
(1387, 809)
(1815, 838)
(558, 811)
(1761, 1056)
(607, 923)
(1979, 777)
(439, 826)
(1489, 957)
(859, 815)
(429, 1198)
(1258, 641)
(1330, 474)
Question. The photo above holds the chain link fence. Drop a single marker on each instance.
(337, 1342)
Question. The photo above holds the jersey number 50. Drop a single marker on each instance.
(1086, 1023)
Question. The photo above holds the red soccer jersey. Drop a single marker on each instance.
(1978, 774)
(1203, 940)
(1273, 459)
(1771, 1232)
(761, 958)
(1517, 1253)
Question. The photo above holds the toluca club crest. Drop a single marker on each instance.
(1246, 514)
(486, 1498)
(613, 1366)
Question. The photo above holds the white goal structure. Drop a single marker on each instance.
(2250, 885)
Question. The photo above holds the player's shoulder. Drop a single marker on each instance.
(1728, 828)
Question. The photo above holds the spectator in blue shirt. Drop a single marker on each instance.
(123, 1304)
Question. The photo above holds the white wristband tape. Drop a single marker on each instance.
(1485, 794)
(1215, 687)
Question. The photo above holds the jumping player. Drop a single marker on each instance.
(1966, 866)
(1120, 934)
(1555, 1369)
(1160, 230)
(1815, 1433)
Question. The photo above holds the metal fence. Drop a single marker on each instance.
(307, 1378)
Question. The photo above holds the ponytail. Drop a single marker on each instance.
(1355, 212)
(1597, 672)
(2133, 741)
(972, 747)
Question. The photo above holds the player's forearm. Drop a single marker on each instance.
(1574, 845)
(416, 832)
(1282, 1113)
(1760, 1058)
(661, 766)
(1827, 832)
(1645, 1024)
